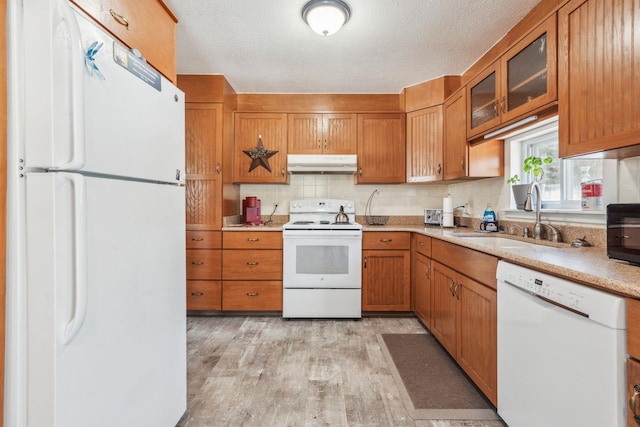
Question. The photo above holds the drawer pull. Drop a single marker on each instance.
(421, 243)
(119, 18)
(253, 239)
(252, 263)
(632, 403)
(197, 262)
(386, 240)
(252, 294)
(197, 294)
(197, 239)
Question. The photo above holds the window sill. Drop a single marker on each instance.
(559, 215)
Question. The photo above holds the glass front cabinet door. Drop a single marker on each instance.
(522, 80)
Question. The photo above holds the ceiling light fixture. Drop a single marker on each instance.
(326, 17)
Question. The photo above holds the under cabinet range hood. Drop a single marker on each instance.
(345, 164)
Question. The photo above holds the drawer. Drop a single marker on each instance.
(204, 264)
(252, 240)
(244, 264)
(633, 328)
(386, 240)
(252, 295)
(422, 244)
(204, 295)
(204, 239)
(146, 25)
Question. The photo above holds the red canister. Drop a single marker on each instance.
(592, 195)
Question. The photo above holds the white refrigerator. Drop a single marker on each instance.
(96, 324)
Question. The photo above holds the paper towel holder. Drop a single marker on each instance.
(447, 212)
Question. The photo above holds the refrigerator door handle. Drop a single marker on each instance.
(76, 77)
(80, 275)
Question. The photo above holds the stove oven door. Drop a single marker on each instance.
(325, 259)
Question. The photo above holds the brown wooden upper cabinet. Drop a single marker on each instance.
(322, 133)
(523, 80)
(381, 148)
(456, 153)
(424, 145)
(600, 86)
(272, 129)
(146, 25)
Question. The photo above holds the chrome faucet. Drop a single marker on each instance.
(554, 234)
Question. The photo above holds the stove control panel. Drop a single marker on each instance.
(321, 206)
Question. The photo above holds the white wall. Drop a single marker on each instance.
(399, 199)
(629, 180)
(412, 199)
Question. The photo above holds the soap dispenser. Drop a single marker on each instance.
(489, 214)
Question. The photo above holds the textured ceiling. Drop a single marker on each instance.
(263, 46)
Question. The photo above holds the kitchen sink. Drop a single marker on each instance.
(500, 242)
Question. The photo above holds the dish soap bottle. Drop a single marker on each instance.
(489, 215)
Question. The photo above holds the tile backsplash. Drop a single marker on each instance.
(412, 199)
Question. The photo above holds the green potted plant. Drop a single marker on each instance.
(532, 165)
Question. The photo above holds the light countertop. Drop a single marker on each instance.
(587, 265)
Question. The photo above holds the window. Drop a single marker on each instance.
(561, 183)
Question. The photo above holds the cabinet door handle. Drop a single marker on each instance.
(439, 168)
(252, 263)
(427, 272)
(386, 240)
(319, 144)
(197, 294)
(252, 294)
(218, 168)
(502, 104)
(197, 239)
(360, 171)
(495, 107)
(253, 239)
(632, 403)
(197, 262)
(119, 18)
(462, 164)
(365, 262)
(282, 171)
(451, 283)
(325, 143)
(455, 291)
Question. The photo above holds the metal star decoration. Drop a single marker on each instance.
(259, 156)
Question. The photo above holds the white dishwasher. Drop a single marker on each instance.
(561, 352)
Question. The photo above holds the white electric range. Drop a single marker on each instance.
(322, 261)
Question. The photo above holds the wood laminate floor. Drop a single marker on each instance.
(266, 371)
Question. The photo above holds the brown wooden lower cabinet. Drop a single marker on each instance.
(258, 295)
(386, 271)
(252, 271)
(203, 264)
(245, 264)
(421, 283)
(633, 395)
(477, 335)
(204, 295)
(464, 311)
